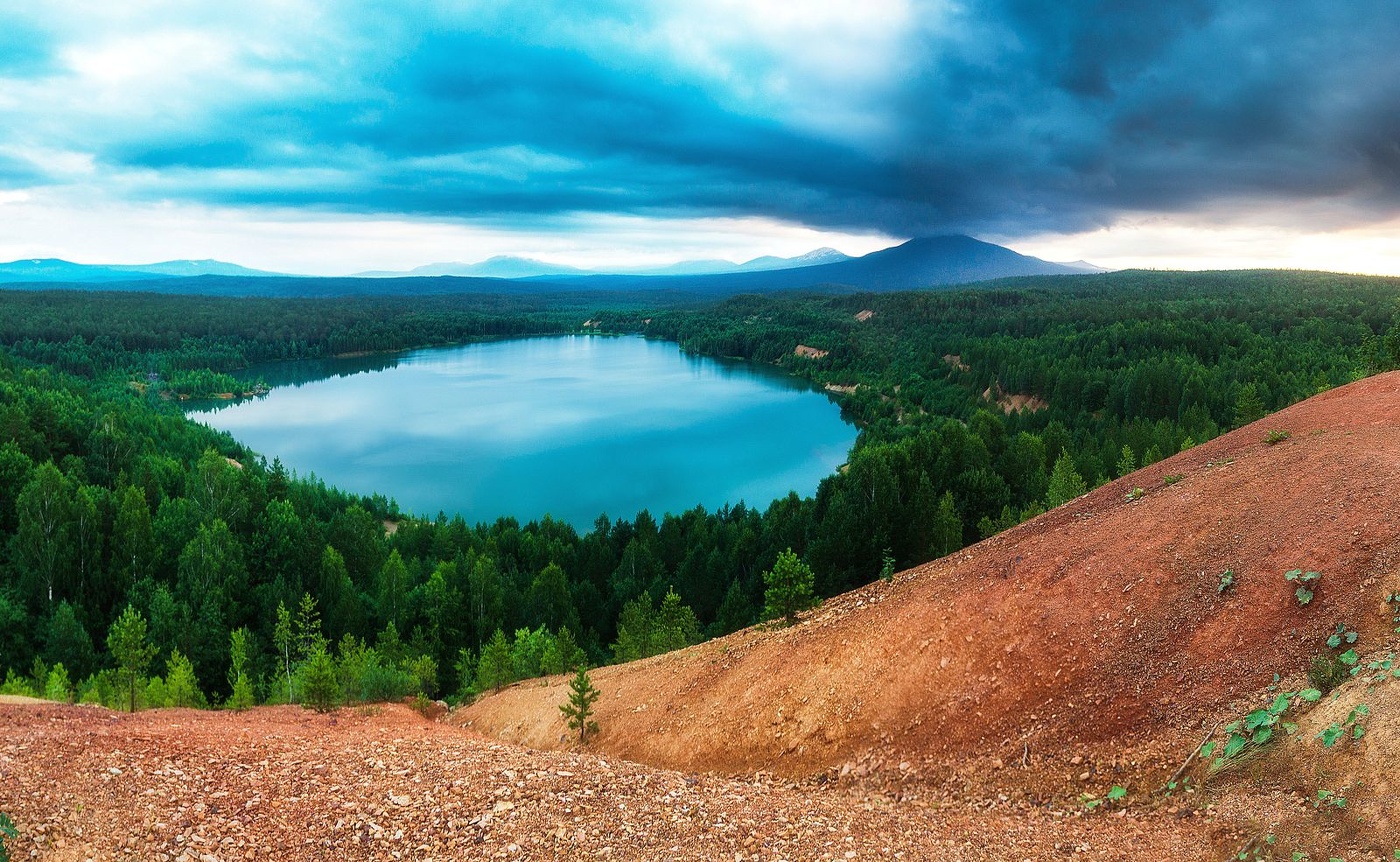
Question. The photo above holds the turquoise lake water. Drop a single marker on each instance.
(572, 426)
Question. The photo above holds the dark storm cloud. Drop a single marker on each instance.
(1006, 115)
(1064, 116)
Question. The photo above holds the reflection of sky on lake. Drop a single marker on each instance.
(573, 426)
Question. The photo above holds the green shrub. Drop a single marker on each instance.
(1325, 673)
(381, 683)
(155, 695)
(181, 686)
(1276, 436)
(242, 696)
(57, 687)
(320, 689)
(8, 832)
(17, 685)
(106, 687)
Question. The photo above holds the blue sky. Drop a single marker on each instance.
(330, 137)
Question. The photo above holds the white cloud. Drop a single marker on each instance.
(1201, 243)
(50, 223)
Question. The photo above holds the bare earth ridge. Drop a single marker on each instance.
(965, 710)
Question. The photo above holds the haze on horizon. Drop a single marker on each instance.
(330, 137)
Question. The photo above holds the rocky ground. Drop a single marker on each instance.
(384, 783)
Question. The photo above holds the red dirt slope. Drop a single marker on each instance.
(1098, 624)
(283, 784)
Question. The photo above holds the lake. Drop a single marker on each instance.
(572, 426)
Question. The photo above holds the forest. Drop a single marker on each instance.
(246, 578)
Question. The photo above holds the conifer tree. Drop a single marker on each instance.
(1127, 462)
(578, 710)
(126, 640)
(242, 696)
(1065, 482)
(320, 688)
(181, 687)
(494, 669)
(789, 588)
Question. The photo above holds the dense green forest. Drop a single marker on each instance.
(249, 578)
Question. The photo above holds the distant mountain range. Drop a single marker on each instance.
(504, 266)
(918, 263)
(53, 269)
(500, 266)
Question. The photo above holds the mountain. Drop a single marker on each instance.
(938, 260)
(504, 266)
(192, 268)
(766, 263)
(55, 270)
(917, 264)
(500, 266)
(1086, 266)
(816, 257)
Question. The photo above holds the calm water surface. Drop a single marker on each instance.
(571, 426)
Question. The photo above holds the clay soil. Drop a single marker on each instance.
(968, 709)
(385, 783)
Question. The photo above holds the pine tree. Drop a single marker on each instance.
(1127, 462)
(309, 637)
(127, 642)
(242, 696)
(634, 629)
(181, 687)
(494, 669)
(1065, 482)
(674, 625)
(734, 612)
(788, 588)
(57, 686)
(578, 710)
(320, 688)
(1249, 407)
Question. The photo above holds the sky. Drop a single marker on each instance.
(329, 137)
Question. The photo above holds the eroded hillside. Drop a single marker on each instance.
(1096, 634)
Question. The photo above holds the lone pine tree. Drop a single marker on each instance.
(788, 588)
(578, 710)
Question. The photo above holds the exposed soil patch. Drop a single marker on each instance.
(286, 784)
(1010, 402)
(810, 352)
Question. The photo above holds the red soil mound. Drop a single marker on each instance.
(1097, 625)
